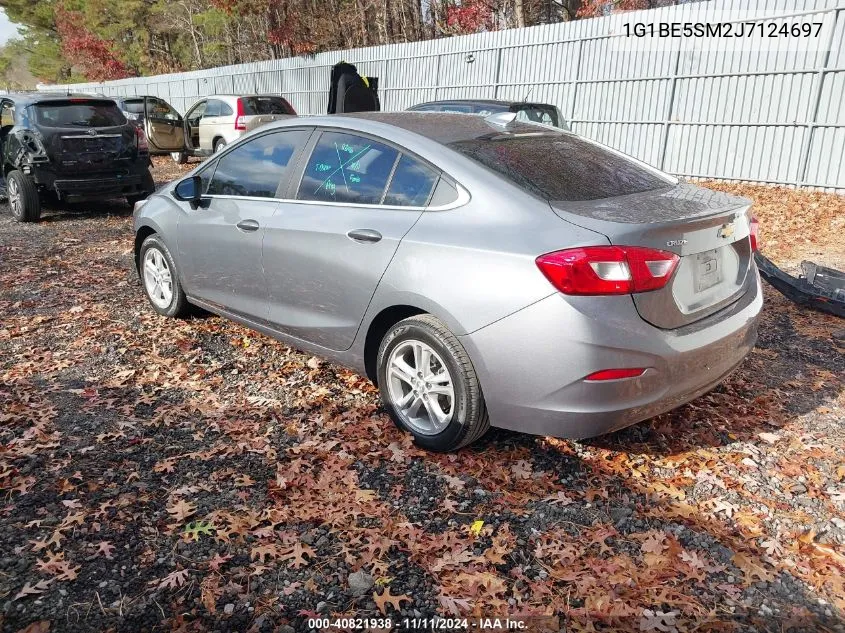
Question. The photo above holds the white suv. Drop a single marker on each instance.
(217, 120)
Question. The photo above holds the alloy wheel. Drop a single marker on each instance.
(158, 279)
(14, 194)
(420, 387)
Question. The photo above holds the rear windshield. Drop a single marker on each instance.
(560, 166)
(266, 105)
(76, 113)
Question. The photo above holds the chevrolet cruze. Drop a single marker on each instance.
(481, 271)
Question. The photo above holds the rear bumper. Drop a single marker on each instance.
(531, 364)
(115, 185)
(122, 182)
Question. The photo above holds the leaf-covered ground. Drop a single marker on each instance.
(193, 475)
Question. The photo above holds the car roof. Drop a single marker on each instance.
(236, 96)
(27, 98)
(448, 127)
(498, 102)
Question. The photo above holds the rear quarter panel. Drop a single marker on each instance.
(475, 264)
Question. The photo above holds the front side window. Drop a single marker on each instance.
(161, 110)
(411, 184)
(347, 168)
(257, 167)
(7, 115)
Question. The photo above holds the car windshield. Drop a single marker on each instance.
(79, 113)
(559, 166)
(266, 105)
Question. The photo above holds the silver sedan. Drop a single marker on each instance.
(480, 271)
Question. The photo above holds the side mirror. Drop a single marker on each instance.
(189, 190)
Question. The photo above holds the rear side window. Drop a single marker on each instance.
(411, 184)
(266, 105)
(78, 113)
(347, 168)
(257, 167)
(213, 108)
(560, 166)
(546, 115)
(134, 106)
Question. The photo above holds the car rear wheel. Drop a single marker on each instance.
(160, 278)
(24, 201)
(428, 385)
(219, 145)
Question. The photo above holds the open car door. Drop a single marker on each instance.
(164, 126)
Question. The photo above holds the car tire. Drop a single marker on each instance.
(447, 411)
(161, 280)
(24, 201)
(180, 158)
(219, 145)
(148, 186)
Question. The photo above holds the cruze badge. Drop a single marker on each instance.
(676, 242)
(726, 230)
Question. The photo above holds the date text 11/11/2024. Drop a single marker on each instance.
(533, 624)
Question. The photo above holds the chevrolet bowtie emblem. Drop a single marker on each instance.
(726, 230)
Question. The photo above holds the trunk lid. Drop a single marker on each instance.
(93, 150)
(86, 135)
(709, 230)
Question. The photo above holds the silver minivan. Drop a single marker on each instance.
(217, 120)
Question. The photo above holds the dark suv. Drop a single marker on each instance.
(69, 147)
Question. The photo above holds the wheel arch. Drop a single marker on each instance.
(141, 234)
(379, 326)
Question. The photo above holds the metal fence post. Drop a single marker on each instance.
(498, 71)
(807, 144)
(437, 75)
(670, 108)
(572, 102)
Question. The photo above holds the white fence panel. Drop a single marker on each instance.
(757, 115)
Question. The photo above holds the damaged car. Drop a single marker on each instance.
(66, 147)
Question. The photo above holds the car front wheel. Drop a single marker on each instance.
(428, 385)
(160, 278)
(180, 158)
(24, 201)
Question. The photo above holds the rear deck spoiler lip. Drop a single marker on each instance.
(819, 288)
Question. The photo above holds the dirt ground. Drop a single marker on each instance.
(193, 475)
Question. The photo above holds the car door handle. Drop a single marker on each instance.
(364, 235)
(248, 225)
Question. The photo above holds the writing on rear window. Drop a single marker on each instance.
(347, 168)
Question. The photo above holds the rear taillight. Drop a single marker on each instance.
(755, 235)
(608, 270)
(143, 145)
(239, 119)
